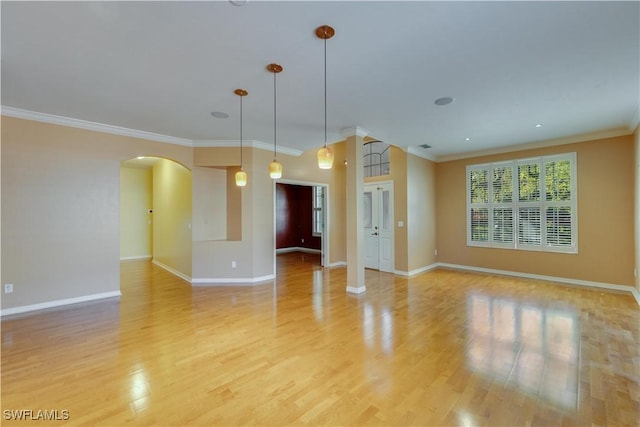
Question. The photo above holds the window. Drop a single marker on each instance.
(524, 204)
(376, 157)
(318, 197)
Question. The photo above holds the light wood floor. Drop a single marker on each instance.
(442, 348)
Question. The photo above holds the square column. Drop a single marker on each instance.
(355, 210)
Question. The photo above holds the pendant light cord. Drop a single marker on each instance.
(241, 133)
(274, 116)
(325, 93)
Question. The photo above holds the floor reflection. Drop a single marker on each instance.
(377, 328)
(532, 348)
(378, 337)
(318, 305)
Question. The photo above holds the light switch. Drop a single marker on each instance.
(400, 224)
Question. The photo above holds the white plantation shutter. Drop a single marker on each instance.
(480, 224)
(503, 225)
(524, 204)
(559, 230)
(502, 184)
(529, 226)
(478, 205)
(529, 203)
(560, 206)
(502, 205)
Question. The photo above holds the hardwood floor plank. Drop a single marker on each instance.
(441, 348)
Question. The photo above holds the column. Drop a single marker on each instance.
(355, 207)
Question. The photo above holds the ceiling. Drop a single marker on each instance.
(163, 67)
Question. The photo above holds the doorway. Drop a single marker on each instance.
(378, 226)
(156, 213)
(301, 218)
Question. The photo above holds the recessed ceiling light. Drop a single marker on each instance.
(219, 115)
(443, 101)
(467, 139)
(538, 125)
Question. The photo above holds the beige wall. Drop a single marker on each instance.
(421, 212)
(135, 219)
(211, 259)
(262, 205)
(172, 212)
(60, 209)
(605, 216)
(209, 208)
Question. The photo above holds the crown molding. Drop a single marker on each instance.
(612, 133)
(246, 143)
(98, 127)
(117, 130)
(354, 131)
(208, 143)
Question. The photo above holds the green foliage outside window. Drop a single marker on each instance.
(480, 186)
(529, 182)
(558, 181)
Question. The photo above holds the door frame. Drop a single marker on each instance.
(393, 229)
(324, 239)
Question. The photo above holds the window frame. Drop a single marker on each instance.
(516, 205)
(317, 222)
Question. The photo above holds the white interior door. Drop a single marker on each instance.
(371, 244)
(378, 226)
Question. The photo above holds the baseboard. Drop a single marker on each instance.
(136, 258)
(585, 283)
(172, 271)
(356, 290)
(337, 264)
(298, 249)
(233, 281)
(58, 303)
(636, 295)
(416, 271)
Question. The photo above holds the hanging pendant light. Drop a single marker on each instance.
(241, 175)
(325, 155)
(275, 168)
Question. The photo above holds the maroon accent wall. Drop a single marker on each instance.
(294, 204)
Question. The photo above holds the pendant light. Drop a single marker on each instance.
(275, 168)
(325, 155)
(241, 175)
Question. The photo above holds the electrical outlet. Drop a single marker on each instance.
(234, 264)
(302, 240)
(8, 288)
(435, 252)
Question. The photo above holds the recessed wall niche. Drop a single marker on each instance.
(217, 211)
